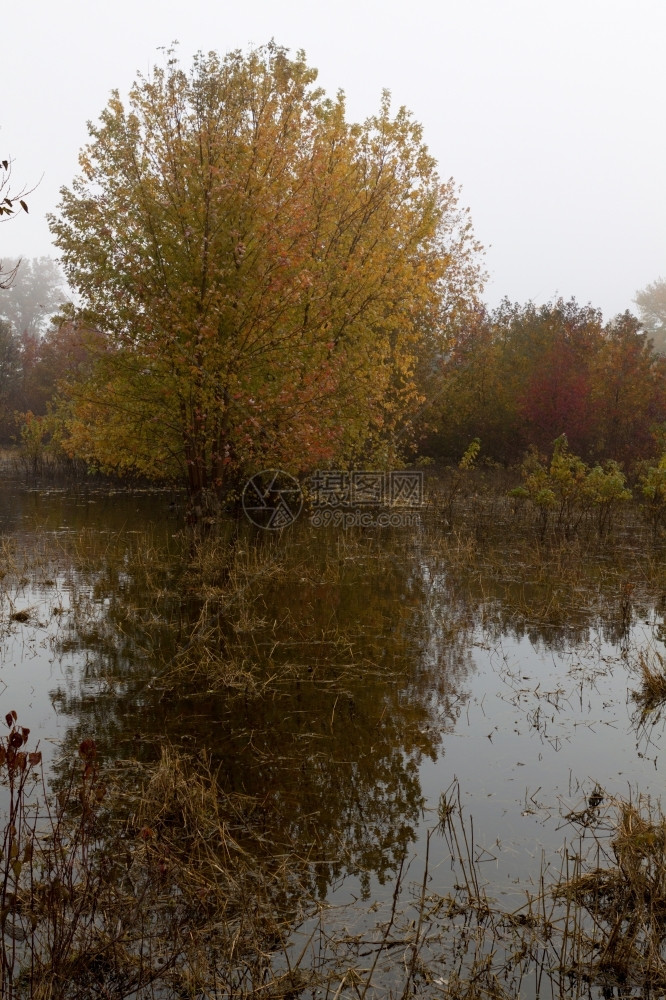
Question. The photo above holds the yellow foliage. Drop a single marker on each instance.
(266, 273)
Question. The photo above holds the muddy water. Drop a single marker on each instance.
(388, 675)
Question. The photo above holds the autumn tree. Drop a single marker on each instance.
(525, 375)
(265, 273)
(627, 392)
(474, 396)
(553, 346)
(67, 350)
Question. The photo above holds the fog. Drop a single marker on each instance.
(551, 117)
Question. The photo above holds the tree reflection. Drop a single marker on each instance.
(316, 669)
(345, 694)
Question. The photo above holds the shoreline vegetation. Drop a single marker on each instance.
(557, 493)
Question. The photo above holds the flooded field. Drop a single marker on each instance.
(421, 761)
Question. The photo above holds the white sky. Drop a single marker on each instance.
(550, 116)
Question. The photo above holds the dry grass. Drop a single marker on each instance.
(616, 903)
(155, 845)
(216, 914)
(651, 696)
(597, 926)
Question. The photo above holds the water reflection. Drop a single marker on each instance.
(324, 672)
(348, 695)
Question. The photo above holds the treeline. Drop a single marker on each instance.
(521, 376)
(515, 378)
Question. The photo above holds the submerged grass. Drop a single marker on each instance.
(616, 902)
(216, 913)
(594, 928)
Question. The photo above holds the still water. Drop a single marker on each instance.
(365, 676)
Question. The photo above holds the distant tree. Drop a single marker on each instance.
(36, 292)
(651, 302)
(66, 352)
(10, 357)
(525, 375)
(10, 376)
(553, 346)
(627, 392)
(474, 394)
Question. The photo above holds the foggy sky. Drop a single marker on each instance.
(550, 116)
